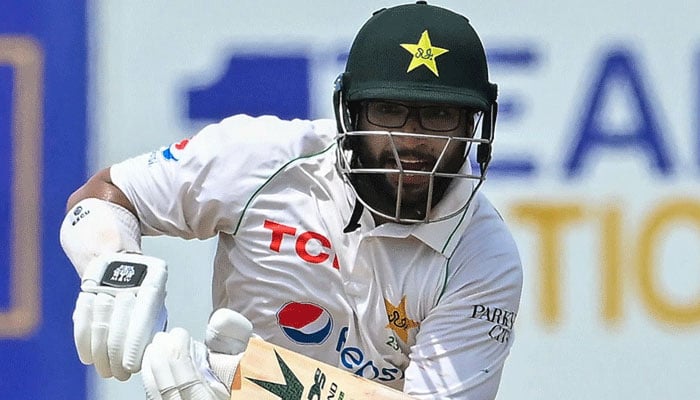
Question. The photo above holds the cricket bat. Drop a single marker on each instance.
(267, 371)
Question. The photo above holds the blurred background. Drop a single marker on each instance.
(596, 167)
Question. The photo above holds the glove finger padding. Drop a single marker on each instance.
(101, 316)
(123, 306)
(82, 326)
(158, 379)
(149, 381)
(228, 332)
(148, 317)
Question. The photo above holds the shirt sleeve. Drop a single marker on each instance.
(464, 340)
(200, 186)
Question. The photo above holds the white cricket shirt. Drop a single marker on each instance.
(427, 308)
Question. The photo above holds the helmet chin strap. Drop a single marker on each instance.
(354, 221)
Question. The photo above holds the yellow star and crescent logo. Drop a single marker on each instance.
(424, 53)
(398, 320)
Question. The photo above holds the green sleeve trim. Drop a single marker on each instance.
(444, 284)
(449, 238)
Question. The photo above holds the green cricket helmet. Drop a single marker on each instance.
(414, 53)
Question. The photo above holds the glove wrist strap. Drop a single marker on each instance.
(93, 227)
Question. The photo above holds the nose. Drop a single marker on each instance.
(412, 124)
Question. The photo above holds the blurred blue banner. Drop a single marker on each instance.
(42, 159)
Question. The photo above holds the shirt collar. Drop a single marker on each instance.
(441, 236)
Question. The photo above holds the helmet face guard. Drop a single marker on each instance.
(387, 201)
(418, 54)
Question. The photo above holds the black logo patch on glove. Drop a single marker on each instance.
(123, 274)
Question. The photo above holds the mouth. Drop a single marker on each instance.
(410, 162)
(414, 164)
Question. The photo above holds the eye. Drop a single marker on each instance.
(390, 108)
(440, 112)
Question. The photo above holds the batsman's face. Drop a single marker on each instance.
(428, 147)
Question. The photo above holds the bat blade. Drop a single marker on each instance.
(271, 372)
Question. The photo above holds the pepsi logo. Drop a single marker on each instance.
(170, 153)
(305, 323)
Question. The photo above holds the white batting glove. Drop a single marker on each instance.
(176, 367)
(119, 310)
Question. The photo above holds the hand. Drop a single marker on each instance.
(119, 310)
(176, 367)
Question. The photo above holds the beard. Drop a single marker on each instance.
(381, 190)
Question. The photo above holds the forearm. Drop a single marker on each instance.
(100, 186)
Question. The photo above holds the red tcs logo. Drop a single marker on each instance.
(279, 231)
